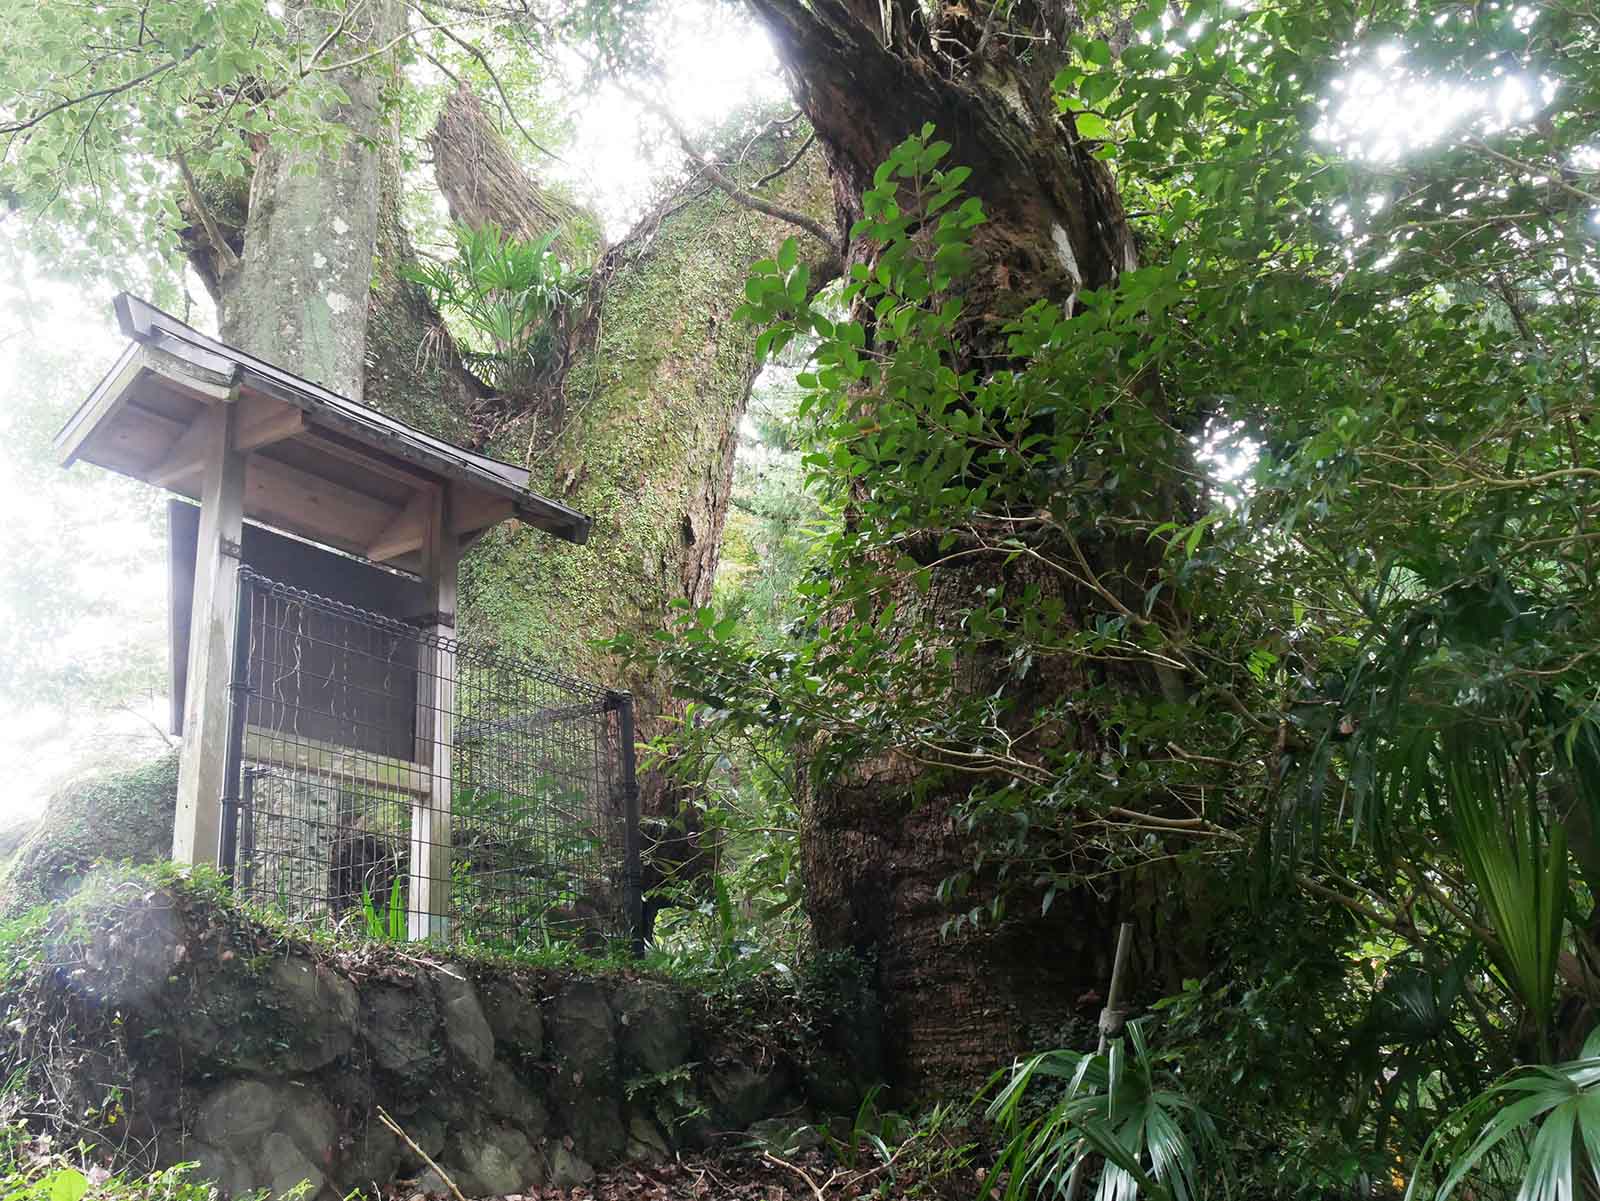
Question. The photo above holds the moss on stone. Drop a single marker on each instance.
(122, 815)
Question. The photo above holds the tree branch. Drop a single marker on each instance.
(226, 258)
(788, 166)
(717, 176)
(505, 100)
(118, 89)
(1552, 174)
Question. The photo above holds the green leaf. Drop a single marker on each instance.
(1092, 125)
(65, 1184)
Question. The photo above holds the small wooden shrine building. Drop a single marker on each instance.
(252, 443)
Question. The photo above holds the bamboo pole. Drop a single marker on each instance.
(1112, 1013)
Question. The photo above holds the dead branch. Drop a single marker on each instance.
(723, 181)
(394, 1128)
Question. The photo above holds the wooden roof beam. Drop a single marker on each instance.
(263, 421)
(469, 514)
(187, 456)
(303, 504)
(405, 533)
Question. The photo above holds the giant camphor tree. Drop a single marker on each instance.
(1041, 662)
(1037, 661)
(882, 840)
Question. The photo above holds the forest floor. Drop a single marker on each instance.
(750, 1175)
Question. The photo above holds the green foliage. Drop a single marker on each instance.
(99, 102)
(511, 296)
(389, 925)
(1133, 1114)
(773, 521)
(740, 791)
(32, 1169)
(65, 1183)
(20, 943)
(1540, 1125)
(1520, 873)
(1275, 556)
(119, 815)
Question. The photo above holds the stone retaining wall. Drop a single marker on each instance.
(267, 1061)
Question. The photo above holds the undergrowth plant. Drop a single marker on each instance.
(1127, 1109)
(1537, 1130)
(390, 924)
(31, 1169)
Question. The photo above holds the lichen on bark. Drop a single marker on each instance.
(299, 294)
(640, 428)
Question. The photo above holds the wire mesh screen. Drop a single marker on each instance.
(407, 785)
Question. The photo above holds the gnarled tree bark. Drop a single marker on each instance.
(880, 839)
(638, 428)
(484, 184)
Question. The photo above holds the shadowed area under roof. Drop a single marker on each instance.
(318, 465)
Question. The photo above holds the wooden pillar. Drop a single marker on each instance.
(436, 705)
(216, 571)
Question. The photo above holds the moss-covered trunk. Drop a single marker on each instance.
(639, 428)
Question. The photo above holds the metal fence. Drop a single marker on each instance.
(406, 785)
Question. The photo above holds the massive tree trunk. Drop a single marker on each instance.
(485, 184)
(299, 297)
(637, 424)
(879, 839)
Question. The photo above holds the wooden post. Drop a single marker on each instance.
(436, 703)
(201, 766)
(1110, 1016)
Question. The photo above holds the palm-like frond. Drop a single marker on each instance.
(509, 292)
(1541, 1124)
(1516, 860)
(1124, 1111)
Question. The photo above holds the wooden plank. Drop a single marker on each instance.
(476, 510)
(376, 462)
(124, 463)
(128, 433)
(406, 532)
(436, 702)
(302, 503)
(111, 415)
(263, 421)
(109, 396)
(344, 765)
(201, 774)
(172, 427)
(186, 457)
(215, 382)
(183, 527)
(152, 396)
